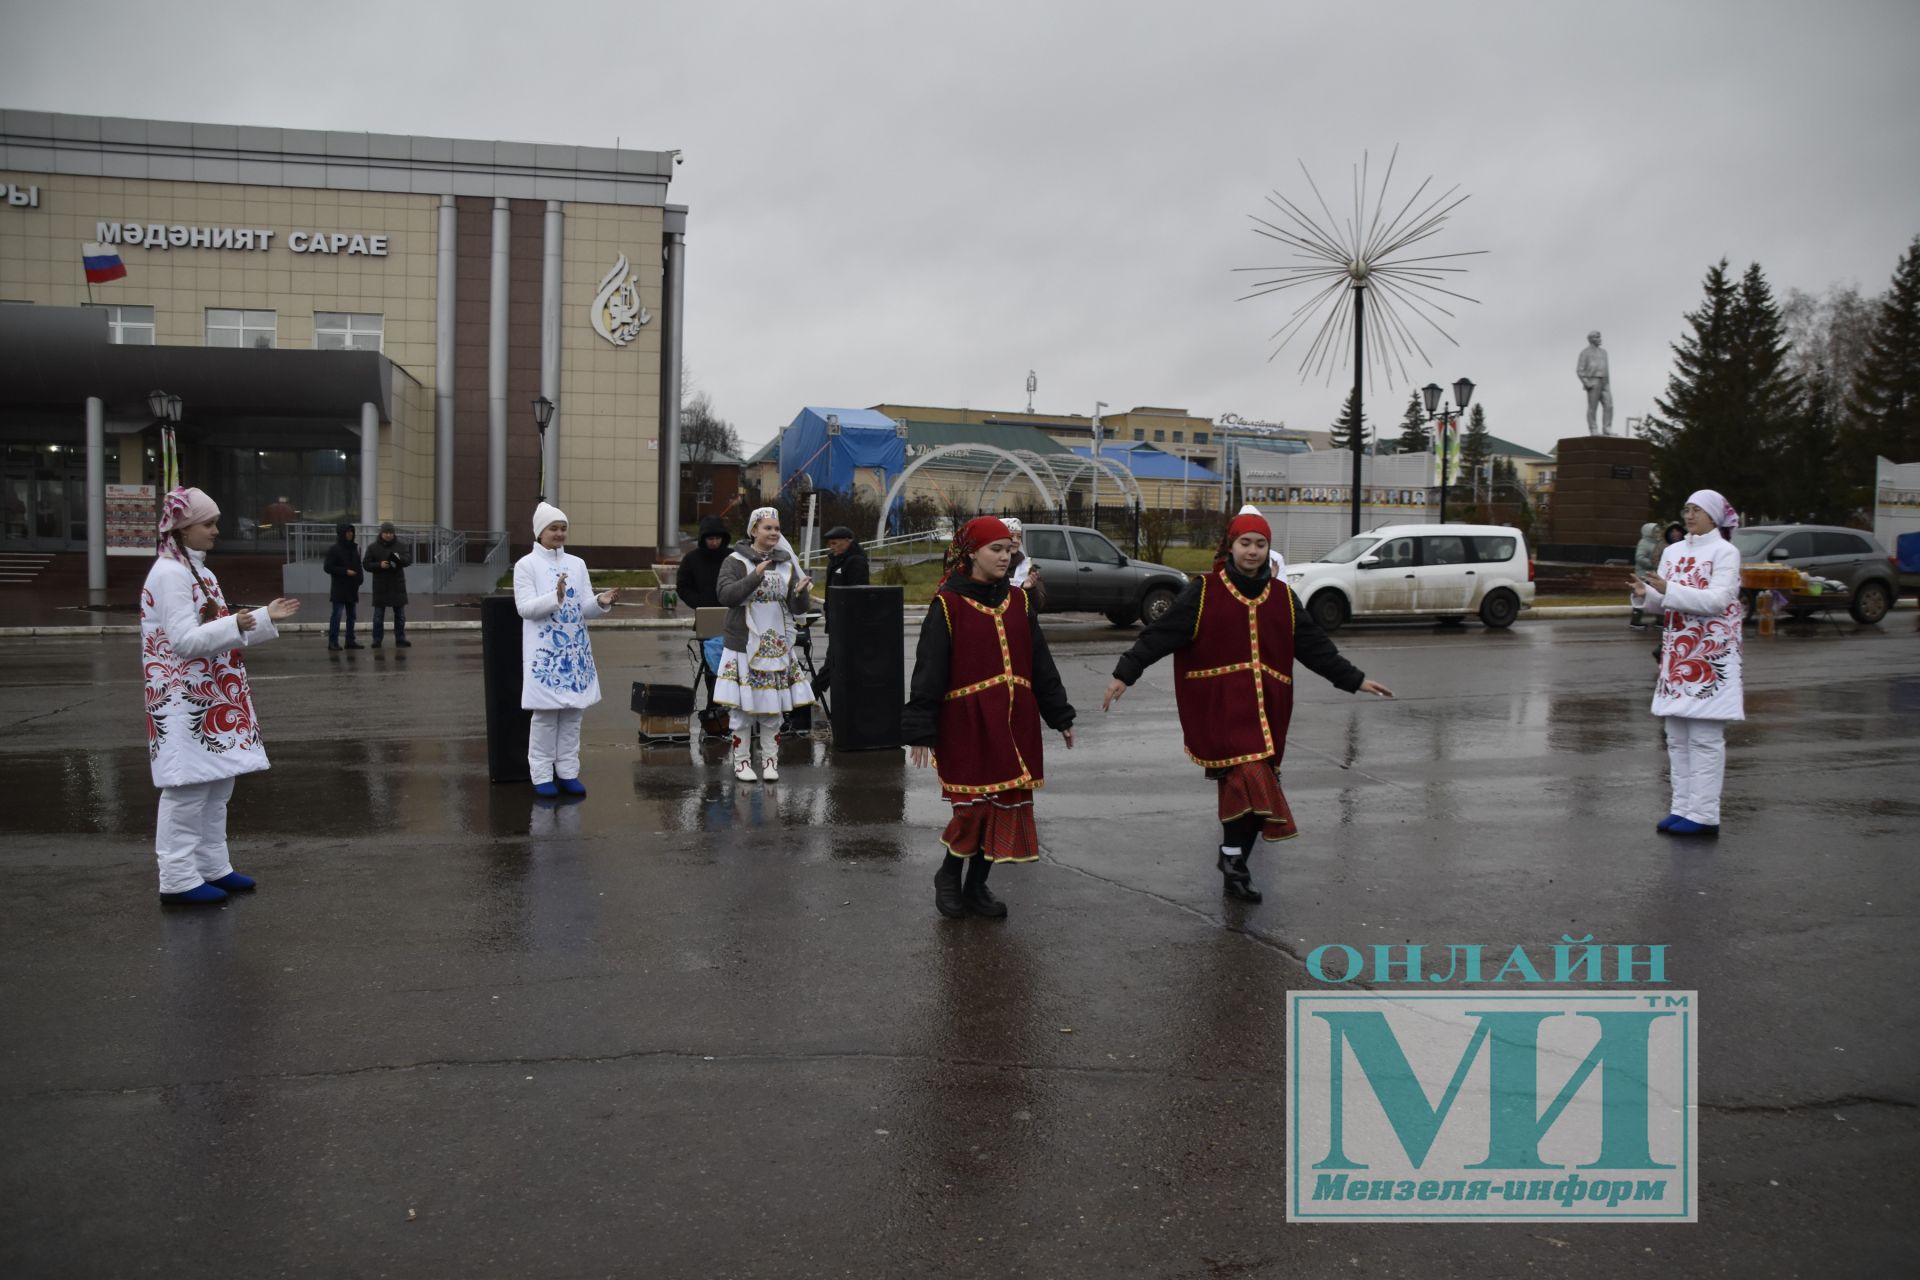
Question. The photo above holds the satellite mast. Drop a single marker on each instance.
(1033, 385)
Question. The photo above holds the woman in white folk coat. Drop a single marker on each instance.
(555, 598)
(1697, 587)
(763, 587)
(201, 729)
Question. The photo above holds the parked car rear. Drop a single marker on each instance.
(1084, 572)
(1849, 556)
(1444, 571)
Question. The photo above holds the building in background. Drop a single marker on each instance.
(356, 326)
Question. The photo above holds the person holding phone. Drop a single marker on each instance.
(554, 595)
(1699, 686)
(763, 587)
(202, 731)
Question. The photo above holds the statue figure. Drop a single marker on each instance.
(1591, 369)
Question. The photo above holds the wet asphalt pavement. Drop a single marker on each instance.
(689, 1027)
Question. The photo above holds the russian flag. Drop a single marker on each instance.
(103, 264)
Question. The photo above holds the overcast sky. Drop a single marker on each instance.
(898, 202)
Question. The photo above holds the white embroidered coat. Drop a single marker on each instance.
(200, 720)
(1700, 647)
(555, 653)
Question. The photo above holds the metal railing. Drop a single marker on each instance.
(446, 550)
(897, 543)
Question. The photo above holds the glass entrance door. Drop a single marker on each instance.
(43, 503)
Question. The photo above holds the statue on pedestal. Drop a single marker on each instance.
(1591, 369)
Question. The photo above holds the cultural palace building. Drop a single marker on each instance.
(350, 327)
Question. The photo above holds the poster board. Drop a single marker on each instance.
(130, 520)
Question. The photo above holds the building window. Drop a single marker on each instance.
(232, 328)
(1179, 437)
(346, 331)
(1199, 437)
(1159, 437)
(129, 326)
(1138, 434)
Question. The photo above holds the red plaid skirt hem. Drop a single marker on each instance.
(998, 827)
(1255, 788)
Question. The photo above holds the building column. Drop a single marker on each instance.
(551, 279)
(497, 369)
(369, 463)
(672, 289)
(96, 495)
(443, 358)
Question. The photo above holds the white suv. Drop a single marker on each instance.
(1444, 571)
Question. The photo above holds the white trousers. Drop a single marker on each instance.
(190, 837)
(1697, 761)
(743, 723)
(553, 743)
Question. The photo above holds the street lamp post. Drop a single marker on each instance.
(543, 418)
(1446, 419)
(1098, 405)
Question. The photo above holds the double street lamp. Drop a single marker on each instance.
(1447, 419)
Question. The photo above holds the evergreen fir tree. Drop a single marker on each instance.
(1476, 448)
(1731, 402)
(1414, 437)
(1344, 425)
(1883, 415)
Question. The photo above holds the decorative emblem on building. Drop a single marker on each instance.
(617, 313)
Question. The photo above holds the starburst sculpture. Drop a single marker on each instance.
(1343, 261)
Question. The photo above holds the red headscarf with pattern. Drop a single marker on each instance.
(973, 535)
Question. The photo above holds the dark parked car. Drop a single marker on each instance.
(1086, 573)
(1826, 551)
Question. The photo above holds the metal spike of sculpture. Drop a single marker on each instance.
(1366, 253)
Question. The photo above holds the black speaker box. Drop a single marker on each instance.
(662, 699)
(500, 671)
(869, 670)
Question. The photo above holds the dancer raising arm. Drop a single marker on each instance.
(1235, 634)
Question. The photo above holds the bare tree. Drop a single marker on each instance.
(1828, 336)
(704, 434)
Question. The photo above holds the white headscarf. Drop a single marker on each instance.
(545, 514)
(1718, 509)
(1013, 526)
(765, 513)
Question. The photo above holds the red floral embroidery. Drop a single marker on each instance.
(1695, 650)
(213, 690)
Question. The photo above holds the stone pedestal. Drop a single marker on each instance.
(1600, 498)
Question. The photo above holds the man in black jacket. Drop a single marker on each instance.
(696, 583)
(386, 568)
(343, 566)
(700, 567)
(846, 567)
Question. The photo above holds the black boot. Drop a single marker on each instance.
(946, 889)
(1233, 871)
(978, 897)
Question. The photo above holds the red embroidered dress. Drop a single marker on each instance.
(200, 719)
(1234, 688)
(990, 756)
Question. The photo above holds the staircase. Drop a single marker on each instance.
(21, 568)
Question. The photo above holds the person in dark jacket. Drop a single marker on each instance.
(1234, 636)
(983, 683)
(699, 572)
(343, 566)
(846, 567)
(697, 584)
(386, 568)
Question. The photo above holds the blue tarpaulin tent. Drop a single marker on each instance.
(833, 454)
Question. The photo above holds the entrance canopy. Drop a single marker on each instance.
(53, 358)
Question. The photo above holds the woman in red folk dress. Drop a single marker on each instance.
(1234, 635)
(201, 730)
(982, 682)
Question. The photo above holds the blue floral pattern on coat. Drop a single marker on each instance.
(564, 660)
